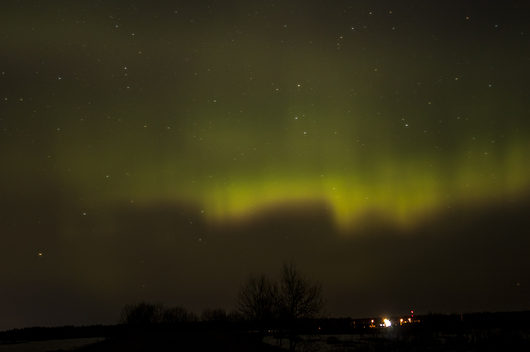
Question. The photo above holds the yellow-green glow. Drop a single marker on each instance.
(400, 185)
(161, 151)
(402, 193)
(236, 126)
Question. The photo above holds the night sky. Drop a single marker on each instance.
(165, 150)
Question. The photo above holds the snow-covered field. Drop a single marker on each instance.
(318, 343)
(50, 345)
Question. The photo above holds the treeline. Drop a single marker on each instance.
(292, 297)
(260, 299)
(144, 313)
(283, 306)
(483, 320)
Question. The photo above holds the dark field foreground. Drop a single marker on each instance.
(400, 339)
(435, 332)
(181, 341)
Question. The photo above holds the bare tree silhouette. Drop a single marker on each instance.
(293, 298)
(298, 298)
(257, 297)
(256, 301)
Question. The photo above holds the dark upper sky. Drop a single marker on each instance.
(165, 150)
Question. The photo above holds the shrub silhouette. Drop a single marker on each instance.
(144, 313)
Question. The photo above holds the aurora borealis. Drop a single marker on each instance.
(131, 131)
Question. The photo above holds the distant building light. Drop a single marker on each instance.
(387, 323)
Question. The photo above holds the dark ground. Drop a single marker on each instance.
(509, 331)
(397, 340)
(181, 341)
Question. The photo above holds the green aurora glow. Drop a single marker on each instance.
(238, 115)
(162, 151)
